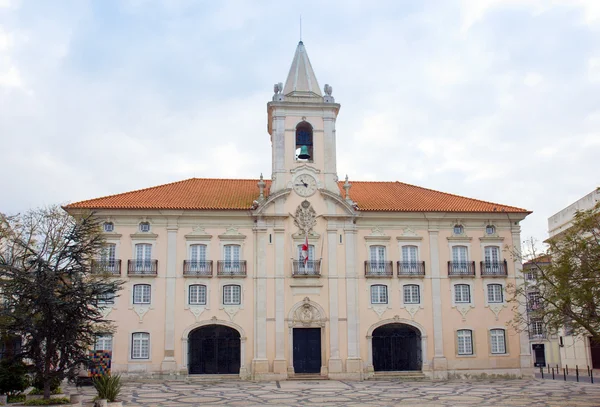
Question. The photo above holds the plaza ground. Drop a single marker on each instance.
(530, 393)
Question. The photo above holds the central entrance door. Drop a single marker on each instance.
(539, 353)
(214, 349)
(396, 347)
(307, 350)
(595, 351)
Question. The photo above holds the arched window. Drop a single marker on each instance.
(411, 294)
(140, 345)
(304, 142)
(197, 294)
(494, 292)
(464, 339)
(141, 294)
(462, 293)
(379, 294)
(232, 294)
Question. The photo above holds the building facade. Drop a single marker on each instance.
(307, 274)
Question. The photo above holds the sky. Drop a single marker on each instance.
(491, 99)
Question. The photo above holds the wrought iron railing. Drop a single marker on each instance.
(494, 268)
(461, 269)
(231, 268)
(379, 269)
(138, 267)
(537, 334)
(197, 268)
(312, 268)
(106, 266)
(411, 268)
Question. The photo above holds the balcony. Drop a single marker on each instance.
(461, 269)
(231, 268)
(494, 269)
(537, 335)
(142, 268)
(197, 268)
(379, 269)
(107, 267)
(312, 268)
(411, 268)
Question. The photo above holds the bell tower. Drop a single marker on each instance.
(301, 122)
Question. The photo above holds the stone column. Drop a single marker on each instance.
(439, 363)
(353, 364)
(169, 364)
(525, 347)
(279, 365)
(335, 363)
(278, 149)
(330, 170)
(260, 364)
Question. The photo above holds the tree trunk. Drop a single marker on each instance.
(47, 389)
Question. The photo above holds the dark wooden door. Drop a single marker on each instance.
(307, 350)
(214, 349)
(396, 347)
(539, 353)
(595, 350)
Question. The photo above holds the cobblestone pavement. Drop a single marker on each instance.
(530, 393)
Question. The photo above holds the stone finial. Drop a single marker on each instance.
(261, 187)
(347, 187)
(328, 98)
(278, 88)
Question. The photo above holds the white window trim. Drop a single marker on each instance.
(142, 280)
(420, 295)
(130, 347)
(403, 243)
(231, 281)
(452, 244)
(387, 294)
(408, 281)
(205, 296)
(485, 292)
(471, 293)
(112, 341)
(147, 304)
(186, 292)
(223, 295)
(473, 342)
(492, 244)
(380, 281)
(506, 350)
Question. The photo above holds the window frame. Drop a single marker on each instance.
(375, 289)
(495, 332)
(108, 227)
(490, 230)
(465, 352)
(456, 294)
(198, 295)
(103, 338)
(411, 286)
(144, 225)
(458, 229)
(133, 292)
(491, 299)
(145, 337)
(226, 286)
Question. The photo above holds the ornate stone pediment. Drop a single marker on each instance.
(305, 218)
(307, 315)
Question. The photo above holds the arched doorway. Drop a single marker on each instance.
(396, 347)
(214, 349)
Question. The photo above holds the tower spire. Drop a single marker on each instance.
(301, 80)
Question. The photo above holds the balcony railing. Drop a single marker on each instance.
(231, 268)
(411, 268)
(537, 335)
(461, 269)
(494, 268)
(312, 268)
(379, 269)
(142, 267)
(197, 268)
(107, 267)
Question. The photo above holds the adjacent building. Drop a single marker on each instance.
(304, 273)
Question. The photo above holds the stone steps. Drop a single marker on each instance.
(400, 376)
(212, 377)
(307, 376)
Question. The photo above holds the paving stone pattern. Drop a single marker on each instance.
(526, 393)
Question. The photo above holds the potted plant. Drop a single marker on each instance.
(108, 388)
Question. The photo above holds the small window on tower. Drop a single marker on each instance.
(304, 142)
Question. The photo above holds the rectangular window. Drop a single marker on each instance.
(494, 292)
(465, 342)
(103, 342)
(412, 294)
(462, 293)
(536, 328)
(492, 255)
(497, 341)
(143, 257)
(108, 256)
(106, 299)
(310, 263)
(410, 254)
(232, 258)
(140, 345)
(197, 294)
(232, 295)
(197, 257)
(141, 294)
(379, 294)
(533, 300)
(377, 256)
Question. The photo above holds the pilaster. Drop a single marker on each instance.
(168, 363)
(353, 364)
(330, 168)
(439, 364)
(280, 364)
(260, 364)
(524, 345)
(335, 363)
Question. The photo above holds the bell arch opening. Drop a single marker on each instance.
(304, 142)
(397, 347)
(214, 349)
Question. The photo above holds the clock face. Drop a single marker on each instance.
(305, 185)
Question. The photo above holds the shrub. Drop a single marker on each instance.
(38, 383)
(108, 387)
(17, 398)
(38, 392)
(13, 377)
(47, 402)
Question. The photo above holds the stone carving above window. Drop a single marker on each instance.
(305, 218)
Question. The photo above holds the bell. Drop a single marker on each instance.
(304, 153)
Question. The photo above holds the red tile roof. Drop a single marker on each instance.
(238, 194)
